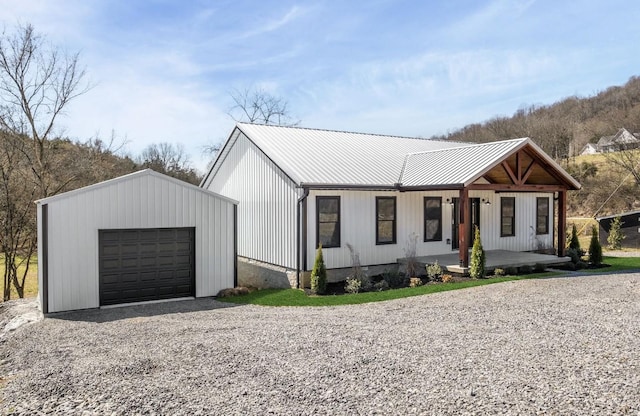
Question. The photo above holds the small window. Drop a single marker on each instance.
(432, 218)
(542, 216)
(328, 221)
(507, 217)
(385, 220)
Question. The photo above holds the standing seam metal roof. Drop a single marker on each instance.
(311, 156)
(460, 165)
(314, 157)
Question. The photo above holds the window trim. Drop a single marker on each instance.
(338, 222)
(394, 221)
(546, 216)
(424, 219)
(502, 216)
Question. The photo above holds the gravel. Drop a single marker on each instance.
(545, 346)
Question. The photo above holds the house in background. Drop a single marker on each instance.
(298, 188)
(630, 228)
(589, 149)
(623, 139)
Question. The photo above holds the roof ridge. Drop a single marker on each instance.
(347, 132)
(471, 146)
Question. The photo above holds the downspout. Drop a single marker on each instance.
(305, 193)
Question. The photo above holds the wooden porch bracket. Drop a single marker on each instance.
(465, 219)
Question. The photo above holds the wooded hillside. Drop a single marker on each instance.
(563, 129)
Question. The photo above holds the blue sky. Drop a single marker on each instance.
(163, 69)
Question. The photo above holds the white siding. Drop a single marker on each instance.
(140, 201)
(525, 238)
(267, 211)
(358, 222)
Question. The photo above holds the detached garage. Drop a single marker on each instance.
(140, 237)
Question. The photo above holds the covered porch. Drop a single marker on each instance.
(510, 167)
(495, 259)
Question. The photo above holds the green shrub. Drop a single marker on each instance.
(394, 279)
(574, 242)
(381, 285)
(478, 258)
(352, 285)
(616, 236)
(573, 254)
(319, 274)
(511, 271)
(498, 272)
(595, 249)
(434, 272)
(526, 269)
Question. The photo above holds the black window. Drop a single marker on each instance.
(328, 221)
(507, 217)
(432, 218)
(542, 215)
(385, 220)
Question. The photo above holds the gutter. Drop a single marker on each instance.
(299, 251)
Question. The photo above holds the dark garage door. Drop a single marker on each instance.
(146, 264)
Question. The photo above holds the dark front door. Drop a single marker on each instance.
(146, 264)
(455, 222)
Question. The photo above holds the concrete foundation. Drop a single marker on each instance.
(252, 273)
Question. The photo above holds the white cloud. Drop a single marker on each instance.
(275, 24)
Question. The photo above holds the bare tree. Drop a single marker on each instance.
(17, 219)
(171, 160)
(37, 82)
(260, 107)
(628, 159)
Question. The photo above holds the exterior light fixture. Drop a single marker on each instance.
(486, 201)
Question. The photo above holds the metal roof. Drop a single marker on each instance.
(312, 157)
(319, 157)
(127, 177)
(455, 166)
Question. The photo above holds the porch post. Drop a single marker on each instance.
(562, 222)
(463, 228)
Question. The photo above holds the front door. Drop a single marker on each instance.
(455, 222)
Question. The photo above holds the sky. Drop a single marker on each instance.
(164, 70)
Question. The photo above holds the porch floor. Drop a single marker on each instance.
(495, 259)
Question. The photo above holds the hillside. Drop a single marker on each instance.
(562, 129)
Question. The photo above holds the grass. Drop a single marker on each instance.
(617, 264)
(31, 282)
(295, 297)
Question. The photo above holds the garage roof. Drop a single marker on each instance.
(131, 176)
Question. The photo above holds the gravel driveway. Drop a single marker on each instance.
(546, 346)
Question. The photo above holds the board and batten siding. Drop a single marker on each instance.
(139, 201)
(358, 225)
(267, 212)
